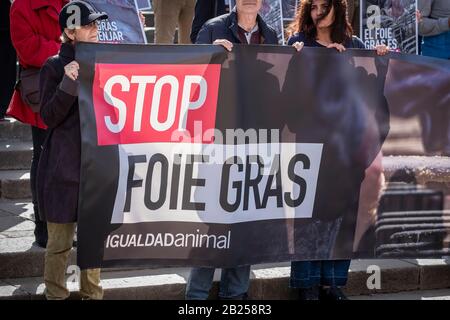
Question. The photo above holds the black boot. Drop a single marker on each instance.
(311, 293)
(40, 231)
(40, 234)
(331, 294)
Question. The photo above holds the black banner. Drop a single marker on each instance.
(195, 156)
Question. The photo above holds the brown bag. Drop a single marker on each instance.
(28, 86)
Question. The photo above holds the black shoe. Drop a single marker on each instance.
(311, 293)
(331, 294)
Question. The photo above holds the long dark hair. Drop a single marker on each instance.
(341, 30)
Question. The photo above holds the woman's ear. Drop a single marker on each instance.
(70, 33)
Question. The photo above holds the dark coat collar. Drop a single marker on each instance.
(67, 53)
(263, 27)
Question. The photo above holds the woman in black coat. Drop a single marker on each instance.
(59, 166)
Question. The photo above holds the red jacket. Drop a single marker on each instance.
(35, 34)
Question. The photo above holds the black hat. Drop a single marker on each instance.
(87, 14)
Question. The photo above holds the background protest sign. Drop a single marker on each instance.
(195, 156)
(390, 22)
(144, 4)
(289, 9)
(123, 24)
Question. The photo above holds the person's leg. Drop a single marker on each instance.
(305, 276)
(334, 276)
(166, 20)
(234, 283)
(335, 272)
(199, 283)
(40, 230)
(437, 46)
(60, 237)
(90, 288)
(185, 21)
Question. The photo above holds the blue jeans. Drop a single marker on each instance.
(306, 274)
(437, 46)
(234, 283)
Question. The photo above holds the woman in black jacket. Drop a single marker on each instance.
(59, 168)
(324, 23)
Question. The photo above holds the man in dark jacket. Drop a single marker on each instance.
(236, 27)
(205, 10)
(243, 26)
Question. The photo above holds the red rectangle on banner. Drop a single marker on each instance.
(139, 103)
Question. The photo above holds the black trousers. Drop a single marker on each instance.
(39, 136)
(7, 61)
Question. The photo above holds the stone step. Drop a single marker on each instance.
(19, 255)
(16, 216)
(15, 184)
(268, 282)
(403, 147)
(12, 129)
(442, 294)
(425, 170)
(21, 258)
(404, 128)
(15, 155)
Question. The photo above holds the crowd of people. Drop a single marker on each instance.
(45, 97)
